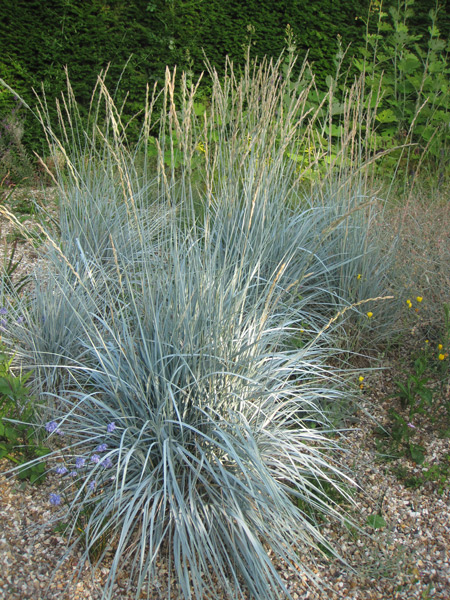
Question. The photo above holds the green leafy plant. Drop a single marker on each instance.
(401, 431)
(15, 164)
(447, 323)
(414, 393)
(376, 521)
(9, 267)
(438, 474)
(412, 83)
(17, 437)
(21, 203)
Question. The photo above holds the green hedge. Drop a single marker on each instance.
(39, 38)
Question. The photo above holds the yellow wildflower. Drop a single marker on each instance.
(361, 379)
(359, 276)
(409, 303)
(441, 356)
(370, 314)
(440, 346)
(419, 299)
(201, 147)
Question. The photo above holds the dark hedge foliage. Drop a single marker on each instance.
(39, 38)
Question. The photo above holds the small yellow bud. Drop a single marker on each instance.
(440, 346)
(441, 356)
(409, 303)
(361, 379)
(419, 299)
(359, 276)
(370, 314)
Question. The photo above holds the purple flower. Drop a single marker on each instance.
(20, 320)
(55, 499)
(51, 426)
(3, 323)
(411, 426)
(92, 485)
(111, 427)
(102, 448)
(107, 462)
(80, 462)
(95, 458)
(73, 474)
(62, 470)
(3, 311)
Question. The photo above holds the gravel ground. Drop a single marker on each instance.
(407, 559)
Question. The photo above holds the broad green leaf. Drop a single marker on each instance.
(5, 387)
(386, 116)
(427, 395)
(199, 109)
(376, 521)
(409, 64)
(417, 453)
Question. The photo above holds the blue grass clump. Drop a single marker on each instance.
(181, 340)
(209, 450)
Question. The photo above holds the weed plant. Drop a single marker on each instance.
(414, 108)
(18, 440)
(15, 164)
(423, 260)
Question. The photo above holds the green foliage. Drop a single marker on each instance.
(39, 39)
(376, 521)
(446, 336)
(400, 433)
(17, 436)
(15, 164)
(403, 72)
(437, 474)
(413, 393)
(9, 284)
(411, 80)
(418, 395)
